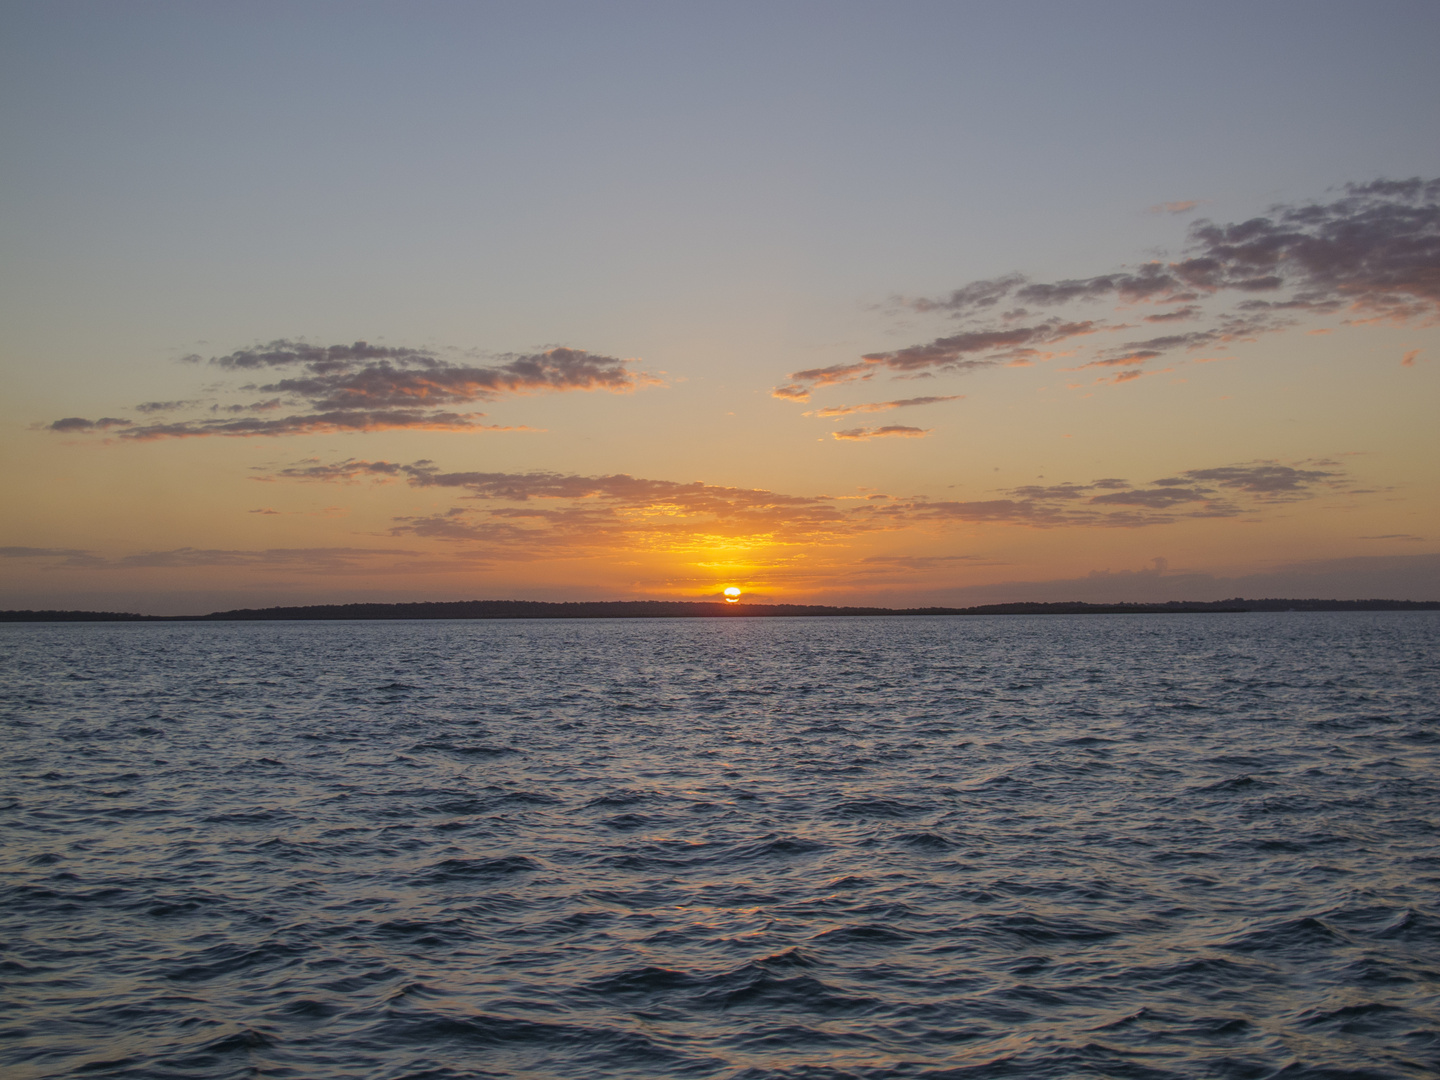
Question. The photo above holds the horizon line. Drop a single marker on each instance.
(600, 609)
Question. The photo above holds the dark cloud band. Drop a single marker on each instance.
(363, 387)
(1374, 253)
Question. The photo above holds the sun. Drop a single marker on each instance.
(732, 594)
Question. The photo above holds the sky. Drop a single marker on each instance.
(900, 304)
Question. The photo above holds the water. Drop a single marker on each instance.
(1106, 846)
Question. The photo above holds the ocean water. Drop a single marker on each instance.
(1094, 846)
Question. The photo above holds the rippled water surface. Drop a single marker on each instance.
(1109, 846)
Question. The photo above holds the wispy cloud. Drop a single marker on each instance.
(882, 406)
(900, 431)
(363, 387)
(301, 560)
(1182, 206)
(320, 423)
(79, 423)
(1374, 253)
(522, 516)
(57, 556)
(918, 564)
(148, 407)
(500, 517)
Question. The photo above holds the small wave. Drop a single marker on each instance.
(643, 980)
(779, 847)
(243, 817)
(1372, 1018)
(469, 869)
(619, 798)
(419, 932)
(310, 1008)
(1234, 783)
(925, 841)
(753, 987)
(788, 958)
(864, 934)
(1303, 933)
(1031, 928)
(1413, 926)
(239, 1042)
(228, 959)
(876, 808)
(626, 822)
(463, 751)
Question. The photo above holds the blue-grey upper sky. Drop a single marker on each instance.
(644, 159)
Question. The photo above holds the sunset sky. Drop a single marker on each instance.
(901, 303)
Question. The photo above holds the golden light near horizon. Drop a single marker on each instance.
(732, 594)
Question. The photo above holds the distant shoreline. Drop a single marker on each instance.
(680, 609)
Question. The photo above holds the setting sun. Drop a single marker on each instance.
(732, 594)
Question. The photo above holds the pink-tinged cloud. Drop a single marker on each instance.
(1408, 360)
(1183, 206)
(791, 392)
(860, 434)
(956, 352)
(883, 406)
(960, 351)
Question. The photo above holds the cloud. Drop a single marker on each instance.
(791, 393)
(79, 423)
(1267, 480)
(1184, 206)
(343, 471)
(420, 378)
(888, 431)
(363, 387)
(66, 556)
(882, 406)
(955, 352)
(549, 515)
(976, 296)
(919, 563)
(500, 517)
(1183, 314)
(167, 406)
(320, 423)
(1396, 577)
(1408, 360)
(1374, 252)
(303, 560)
(1224, 492)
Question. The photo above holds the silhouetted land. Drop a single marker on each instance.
(673, 609)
